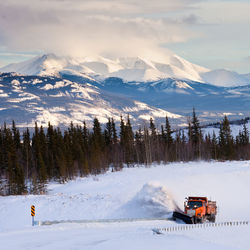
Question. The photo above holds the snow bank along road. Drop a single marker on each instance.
(132, 193)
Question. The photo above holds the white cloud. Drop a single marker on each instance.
(91, 27)
(200, 30)
(235, 11)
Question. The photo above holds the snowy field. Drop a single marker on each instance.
(132, 193)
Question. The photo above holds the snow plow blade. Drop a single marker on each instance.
(181, 216)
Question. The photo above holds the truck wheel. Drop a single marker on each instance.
(203, 219)
(195, 220)
(212, 219)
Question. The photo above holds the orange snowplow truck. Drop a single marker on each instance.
(196, 210)
(200, 209)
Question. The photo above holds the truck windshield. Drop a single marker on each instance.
(194, 204)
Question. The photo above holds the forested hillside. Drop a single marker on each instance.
(28, 161)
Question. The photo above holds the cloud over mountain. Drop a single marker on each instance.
(92, 27)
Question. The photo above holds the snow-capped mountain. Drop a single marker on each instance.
(128, 69)
(64, 89)
(222, 77)
(27, 99)
(48, 65)
(60, 100)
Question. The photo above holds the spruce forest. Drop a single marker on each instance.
(28, 162)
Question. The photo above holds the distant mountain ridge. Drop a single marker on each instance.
(67, 98)
(222, 77)
(44, 99)
(127, 68)
(63, 89)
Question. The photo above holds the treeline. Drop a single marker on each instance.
(28, 162)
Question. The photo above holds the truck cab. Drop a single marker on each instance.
(196, 207)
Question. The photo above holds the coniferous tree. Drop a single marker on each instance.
(60, 161)
(108, 133)
(114, 133)
(97, 143)
(139, 146)
(169, 141)
(85, 136)
(115, 148)
(38, 147)
(50, 151)
(108, 142)
(147, 146)
(169, 138)
(189, 131)
(163, 135)
(122, 133)
(27, 154)
(154, 146)
(129, 143)
(196, 135)
(16, 136)
(242, 144)
(178, 145)
(6, 146)
(226, 142)
(214, 147)
(245, 135)
(126, 141)
(68, 154)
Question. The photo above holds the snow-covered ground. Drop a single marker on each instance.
(132, 193)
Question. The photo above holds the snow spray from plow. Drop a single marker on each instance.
(152, 203)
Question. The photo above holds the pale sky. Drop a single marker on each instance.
(211, 33)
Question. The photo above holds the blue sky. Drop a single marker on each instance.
(213, 34)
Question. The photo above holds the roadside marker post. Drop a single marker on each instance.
(33, 214)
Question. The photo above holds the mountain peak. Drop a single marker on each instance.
(128, 68)
(138, 69)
